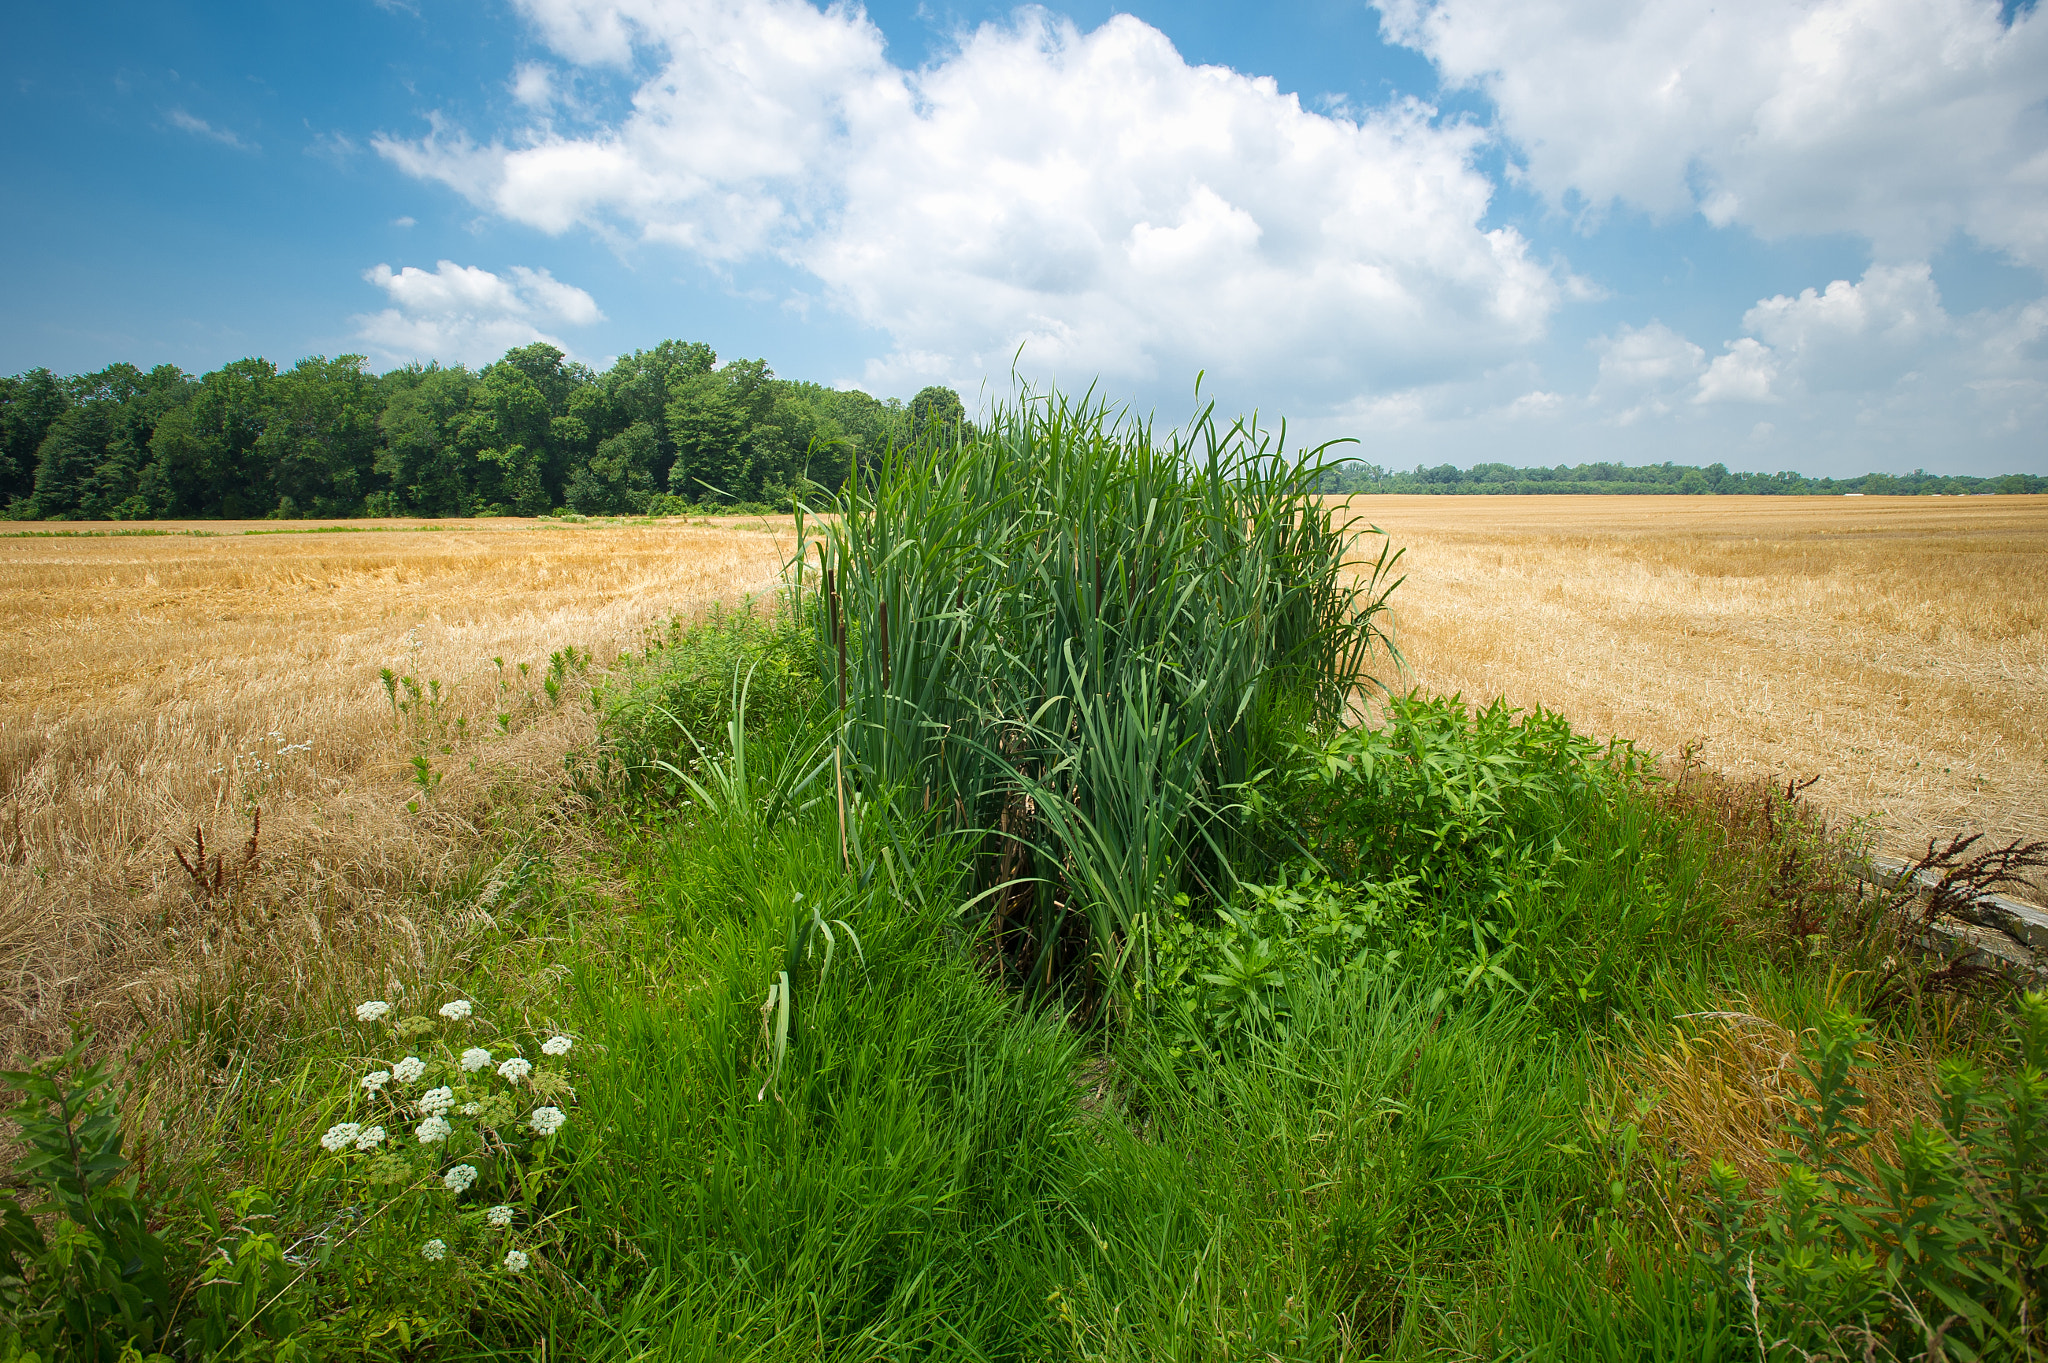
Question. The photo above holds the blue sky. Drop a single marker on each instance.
(1798, 235)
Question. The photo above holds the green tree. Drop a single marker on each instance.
(90, 463)
(70, 455)
(319, 443)
(937, 413)
(720, 423)
(639, 388)
(203, 452)
(566, 440)
(29, 406)
(422, 461)
(619, 477)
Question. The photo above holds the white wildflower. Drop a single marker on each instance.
(339, 1135)
(516, 1069)
(474, 1059)
(436, 1102)
(408, 1070)
(546, 1121)
(435, 1249)
(371, 1011)
(556, 1045)
(376, 1080)
(433, 1130)
(471, 1109)
(459, 1178)
(515, 1262)
(456, 1011)
(500, 1216)
(371, 1138)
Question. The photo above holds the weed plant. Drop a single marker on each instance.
(1080, 640)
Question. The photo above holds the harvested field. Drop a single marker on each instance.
(1895, 646)
(151, 684)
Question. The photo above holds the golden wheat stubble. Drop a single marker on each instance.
(143, 678)
(1896, 646)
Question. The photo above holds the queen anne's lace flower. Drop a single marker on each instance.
(408, 1070)
(516, 1069)
(471, 1109)
(376, 1079)
(499, 1216)
(436, 1102)
(556, 1045)
(371, 1011)
(339, 1135)
(456, 1011)
(371, 1138)
(515, 1261)
(546, 1121)
(459, 1178)
(433, 1130)
(435, 1249)
(474, 1059)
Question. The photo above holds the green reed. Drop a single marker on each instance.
(1078, 639)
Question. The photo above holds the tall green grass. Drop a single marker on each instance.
(940, 1171)
(1079, 640)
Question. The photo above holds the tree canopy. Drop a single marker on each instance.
(1356, 476)
(660, 430)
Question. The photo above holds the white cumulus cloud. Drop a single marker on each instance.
(1849, 336)
(1743, 373)
(1644, 370)
(1900, 120)
(466, 314)
(1869, 371)
(1091, 197)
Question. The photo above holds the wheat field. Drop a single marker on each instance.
(1897, 647)
(154, 685)
(151, 685)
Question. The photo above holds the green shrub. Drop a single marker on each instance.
(1942, 1252)
(1521, 851)
(686, 686)
(1234, 974)
(98, 1286)
(1467, 801)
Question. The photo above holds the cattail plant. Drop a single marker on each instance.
(1077, 640)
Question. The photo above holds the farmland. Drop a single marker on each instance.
(1897, 647)
(154, 683)
(1119, 1004)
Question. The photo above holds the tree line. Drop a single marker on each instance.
(660, 431)
(1357, 476)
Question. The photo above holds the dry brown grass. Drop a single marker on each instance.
(1896, 646)
(1728, 1083)
(143, 678)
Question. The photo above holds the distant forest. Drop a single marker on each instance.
(1581, 479)
(661, 431)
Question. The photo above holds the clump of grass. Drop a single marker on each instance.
(1723, 1083)
(1079, 639)
(661, 709)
